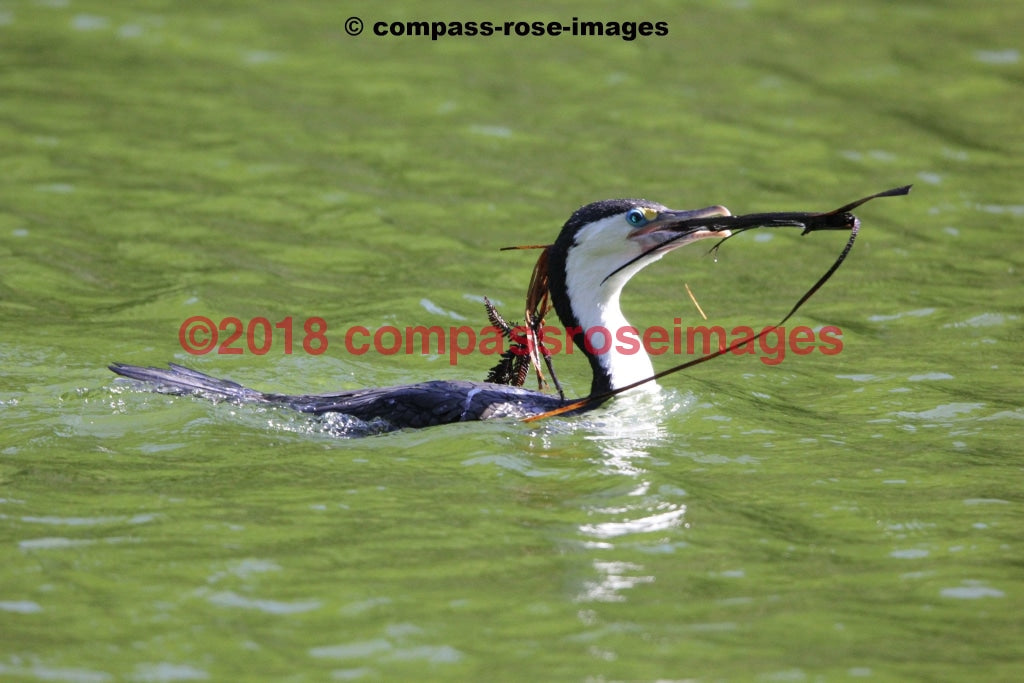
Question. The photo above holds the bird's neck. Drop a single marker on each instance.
(590, 304)
(612, 344)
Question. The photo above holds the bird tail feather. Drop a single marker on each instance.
(181, 381)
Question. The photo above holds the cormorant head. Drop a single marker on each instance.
(600, 248)
(616, 238)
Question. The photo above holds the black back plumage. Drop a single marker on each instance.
(425, 404)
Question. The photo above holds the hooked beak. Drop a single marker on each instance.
(668, 230)
(672, 229)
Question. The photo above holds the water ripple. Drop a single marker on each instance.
(916, 313)
(232, 599)
(942, 412)
(163, 672)
(971, 590)
(617, 577)
(656, 522)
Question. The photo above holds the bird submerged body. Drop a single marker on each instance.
(407, 406)
(598, 250)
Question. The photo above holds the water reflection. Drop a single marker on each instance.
(659, 521)
(627, 433)
(614, 578)
(627, 428)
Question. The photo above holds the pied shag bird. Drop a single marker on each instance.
(599, 249)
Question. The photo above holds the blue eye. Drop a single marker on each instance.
(636, 217)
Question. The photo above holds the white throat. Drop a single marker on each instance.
(595, 303)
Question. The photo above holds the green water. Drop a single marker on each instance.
(857, 516)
